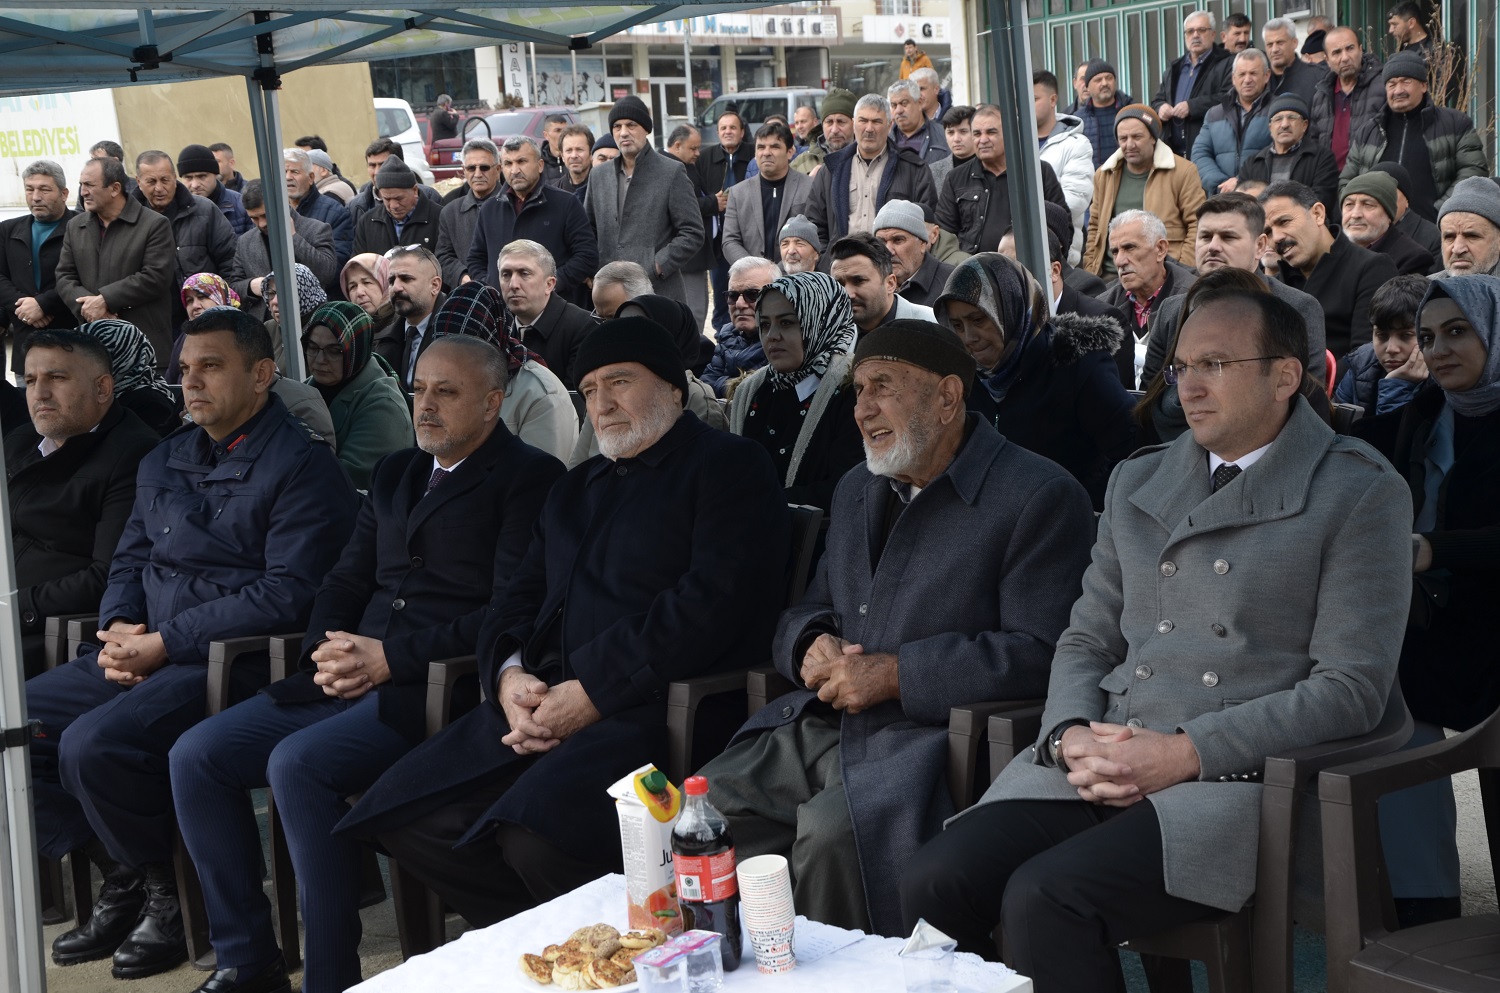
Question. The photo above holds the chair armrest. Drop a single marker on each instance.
(764, 685)
(286, 649)
(55, 636)
(688, 692)
(683, 698)
(442, 676)
(81, 632)
(967, 728)
(1012, 731)
(222, 655)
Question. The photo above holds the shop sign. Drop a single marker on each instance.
(882, 29)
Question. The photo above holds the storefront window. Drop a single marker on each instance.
(418, 81)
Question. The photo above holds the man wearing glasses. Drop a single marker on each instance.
(1137, 809)
(459, 217)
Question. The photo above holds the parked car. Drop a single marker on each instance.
(446, 156)
(757, 104)
(394, 119)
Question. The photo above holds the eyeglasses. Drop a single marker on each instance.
(333, 353)
(1212, 369)
(391, 252)
(479, 168)
(749, 296)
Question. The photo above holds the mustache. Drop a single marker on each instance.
(1285, 245)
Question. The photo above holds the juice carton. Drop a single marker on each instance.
(648, 806)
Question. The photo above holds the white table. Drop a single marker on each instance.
(828, 958)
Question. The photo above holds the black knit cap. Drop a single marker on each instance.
(395, 174)
(633, 339)
(920, 343)
(196, 158)
(630, 108)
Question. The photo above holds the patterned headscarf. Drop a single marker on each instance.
(378, 266)
(477, 309)
(827, 318)
(1479, 298)
(351, 327)
(310, 295)
(211, 285)
(132, 360)
(1006, 292)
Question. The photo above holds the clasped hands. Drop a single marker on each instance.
(541, 716)
(349, 665)
(847, 677)
(129, 654)
(1117, 766)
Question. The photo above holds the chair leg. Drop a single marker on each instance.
(284, 886)
(1166, 975)
(372, 884)
(81, 877)
(419, 914)
(194, 912)
(54, 895)
(1230, 971)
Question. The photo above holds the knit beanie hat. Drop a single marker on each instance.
(633, 339)
(196, 158)
(837, 101)
(798, 226)
(923, 344)
(1408, 64)
(395, 174)
(1144, 114)
(1396, 171)
(608, 141)
(1059, 221)
(1381, 186)
(1292, 102)
(630, 108)
(318, 157)
(1475, 195)
(903, 215)
(1095, 67)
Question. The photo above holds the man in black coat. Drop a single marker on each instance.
(1289, 74)
(974, 203)
(549, 325)
(885, 172)
(1369, 212)
(402, 217)
(28, 294)
(637, 575)
(404, 593)
(719, 167)
(1193, 84)
(1412, 224)
(71, 472)
(1294, 152)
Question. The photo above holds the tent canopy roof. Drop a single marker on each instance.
(86, 45)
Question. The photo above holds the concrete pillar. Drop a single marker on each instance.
(778, 64)
(641, 56)
(727, 70)
(487, 74)
(959, 40)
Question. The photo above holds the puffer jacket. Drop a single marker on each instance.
(204, 236)
(1368, 98)
(1068, 152)
(734, 355)
(1365, 383)
(1173, 193)
(1226, 142)
(1452, 144)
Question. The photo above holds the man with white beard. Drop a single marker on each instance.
(846, 776)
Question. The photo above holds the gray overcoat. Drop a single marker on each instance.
(971, 592)
(745, 222)
(1254, 620)
(133, 267)
(660, 225)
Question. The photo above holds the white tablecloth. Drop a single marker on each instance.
(828, 958)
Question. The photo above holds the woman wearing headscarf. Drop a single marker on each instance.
(1048, 384)
(364, 398)
(132, 363)
(365, 280)
(1446, 442)
(537, 408)
(199, 292)
(310, 296)
(800, 406)
(675, 316)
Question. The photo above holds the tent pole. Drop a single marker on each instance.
(265, 117)
(1023, 162)
(22, 967)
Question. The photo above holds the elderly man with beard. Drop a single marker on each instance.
(636, 576)
(1470, 227)
(800, 246)
(845, 776)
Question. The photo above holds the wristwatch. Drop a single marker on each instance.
(1054, 741)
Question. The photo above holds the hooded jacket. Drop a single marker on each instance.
(1068, 152)
(1453, 146)
(1173, 193)
(734, 355)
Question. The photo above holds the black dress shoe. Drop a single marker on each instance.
(157, 943)
(114, 916)
(269, 979)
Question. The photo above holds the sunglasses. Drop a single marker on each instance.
(391, 252)
(750, 296)
(479, 168)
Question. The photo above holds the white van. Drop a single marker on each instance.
(395, 119)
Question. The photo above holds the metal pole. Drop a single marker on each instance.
(265, 117)
(573, 86)
(530, 98)
(687, 64)
(1023, 161)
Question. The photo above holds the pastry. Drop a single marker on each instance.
(551, 952)
(568, 970)
(599, 940)
(625, 958)
(604, 974)
(536, 969)
(642, 940)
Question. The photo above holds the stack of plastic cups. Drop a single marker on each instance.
(766, 907)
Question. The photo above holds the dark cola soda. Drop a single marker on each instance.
(703, 859)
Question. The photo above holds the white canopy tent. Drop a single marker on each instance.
(88, 44)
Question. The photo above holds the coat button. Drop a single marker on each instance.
(1134, 722)
(864, 609)
(1143, 672)
(1220, 566)
(29, 617)
(786, 712)
(620, 470)
(1165, 627)
(398, 604)
(166, 530)
(1218, 629)
(1169, 568)
(1210, 679)
(416, 561)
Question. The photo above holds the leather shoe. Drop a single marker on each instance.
(114, 915)
(158, 942)
(270, 979)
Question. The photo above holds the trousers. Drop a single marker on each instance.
(1066, 880)
(312, 755)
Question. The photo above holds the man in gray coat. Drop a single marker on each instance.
(1181, 670)
(846, 776)
(642, 204)
(118, 258)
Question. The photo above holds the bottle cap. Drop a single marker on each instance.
(695, 786)
(655, 781)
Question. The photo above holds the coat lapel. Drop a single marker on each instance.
(467, 476)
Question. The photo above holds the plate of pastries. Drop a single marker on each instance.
(596, 957)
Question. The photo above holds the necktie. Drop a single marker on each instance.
(438, 475)
(1224, 473)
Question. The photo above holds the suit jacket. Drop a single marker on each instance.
(17, 279)
(976, 626)
(557, 335)
(402, 360)
(636, 575)
(420, 569)
(660, 228)
(744, 221)
(1409, 257)
(132, 266)
(1200, 649)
